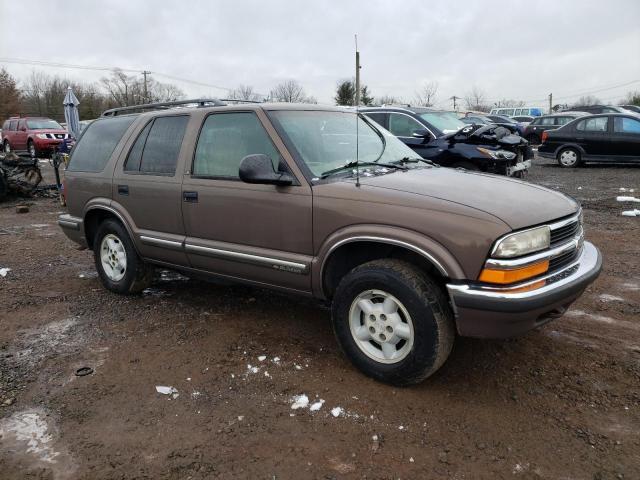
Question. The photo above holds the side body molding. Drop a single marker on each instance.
(428, 248)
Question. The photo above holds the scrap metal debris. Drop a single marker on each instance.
(18, 175)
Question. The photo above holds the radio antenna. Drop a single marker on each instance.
(357, 100)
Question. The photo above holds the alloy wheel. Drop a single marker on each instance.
(381, 326)
(113, 257)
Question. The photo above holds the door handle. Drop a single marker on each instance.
(191, 197)
(123, 189)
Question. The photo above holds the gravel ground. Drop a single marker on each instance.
(561, 402)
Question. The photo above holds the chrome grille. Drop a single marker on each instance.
(564, 233)
(562, 260)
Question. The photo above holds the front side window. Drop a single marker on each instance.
(326, 140)
(548, 121)
(563, 120)
(225, 139)
(403, 125)
(598, 124)
(626, 125)
(377, 117)
(156, 150)
(97, 143)
(443, 121)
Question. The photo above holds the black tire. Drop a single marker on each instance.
(569, 152)
(31, 148)
(4, 187)
(137, 274)
(466, 165)
(427, 305)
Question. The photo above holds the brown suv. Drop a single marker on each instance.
(407, 253)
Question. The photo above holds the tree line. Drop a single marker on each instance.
(41, 94)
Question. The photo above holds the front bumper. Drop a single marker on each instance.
(499, 313)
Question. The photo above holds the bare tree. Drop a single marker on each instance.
(632, 98)
(388, 100)
(426, 95)
(244, 92)
(587, 100)
(289, 91)
(475, 99)
(9, 95)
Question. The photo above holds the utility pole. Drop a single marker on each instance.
(146, 95)
(454, 98)
(551, 103)
(357, 74)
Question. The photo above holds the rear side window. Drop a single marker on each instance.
(548, 121)
(227, 138)
(563, 120)
(12, 125)
(156, 150)
(97, 143)
(403, 125)
(598, 124)
(626, 125)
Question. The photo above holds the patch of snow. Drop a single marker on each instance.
(4, 271)
(299, 401)
(30, 427)
(195, 394)
(518, 468)
(622, 189)
(40, 225)
(266, 374)
(628, 199)
(337, 411)
(631, 213)
(252, 369)
(240, 418)
(276, 359)
(262, 358)
(593, 316)
(316, 406)
(167, 391)
(401, 427)
(634, 287)
(411, 460)
(605, 297)
(298, 367)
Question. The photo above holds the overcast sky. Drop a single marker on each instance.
(508, 48)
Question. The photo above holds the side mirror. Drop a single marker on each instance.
(259, 169)
(420, 133)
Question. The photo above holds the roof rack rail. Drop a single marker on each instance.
(201, 102)
(237, 100)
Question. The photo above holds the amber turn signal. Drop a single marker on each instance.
(503, 277)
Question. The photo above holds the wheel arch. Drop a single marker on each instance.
(569, 145)
(340, 255)
(98, 213)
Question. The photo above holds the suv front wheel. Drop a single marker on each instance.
(392, 321)
(120, 268)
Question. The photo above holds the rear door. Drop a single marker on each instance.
(259, 233)
(20, 136)
(147, 185)
(592, 134)
(626, 138)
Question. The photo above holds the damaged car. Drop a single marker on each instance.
(441, 137)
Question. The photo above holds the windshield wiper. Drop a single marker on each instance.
(361, 164)
(404, 160)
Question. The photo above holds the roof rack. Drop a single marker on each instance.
(201, 102)
(237, 100)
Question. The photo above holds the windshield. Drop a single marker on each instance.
(327, 140)
(444, 121)
(43, 124)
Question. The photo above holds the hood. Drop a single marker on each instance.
(518, 204)
(47, 130)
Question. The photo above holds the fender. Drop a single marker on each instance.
(101, 203)
(433, 251)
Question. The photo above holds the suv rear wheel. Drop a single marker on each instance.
(120, 268)
(392, 321)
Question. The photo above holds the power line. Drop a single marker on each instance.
(41, 63)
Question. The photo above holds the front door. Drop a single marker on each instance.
(259, 233)
(402, 126)
(592, 134)
(20, 138)
(147, 186)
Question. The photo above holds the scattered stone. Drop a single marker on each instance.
(22, 209)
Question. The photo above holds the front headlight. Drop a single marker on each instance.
(521, 243)
(42, 135)
(497, 154)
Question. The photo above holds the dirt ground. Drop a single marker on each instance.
(563, 402)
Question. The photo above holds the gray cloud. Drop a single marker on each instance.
(518, 49)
